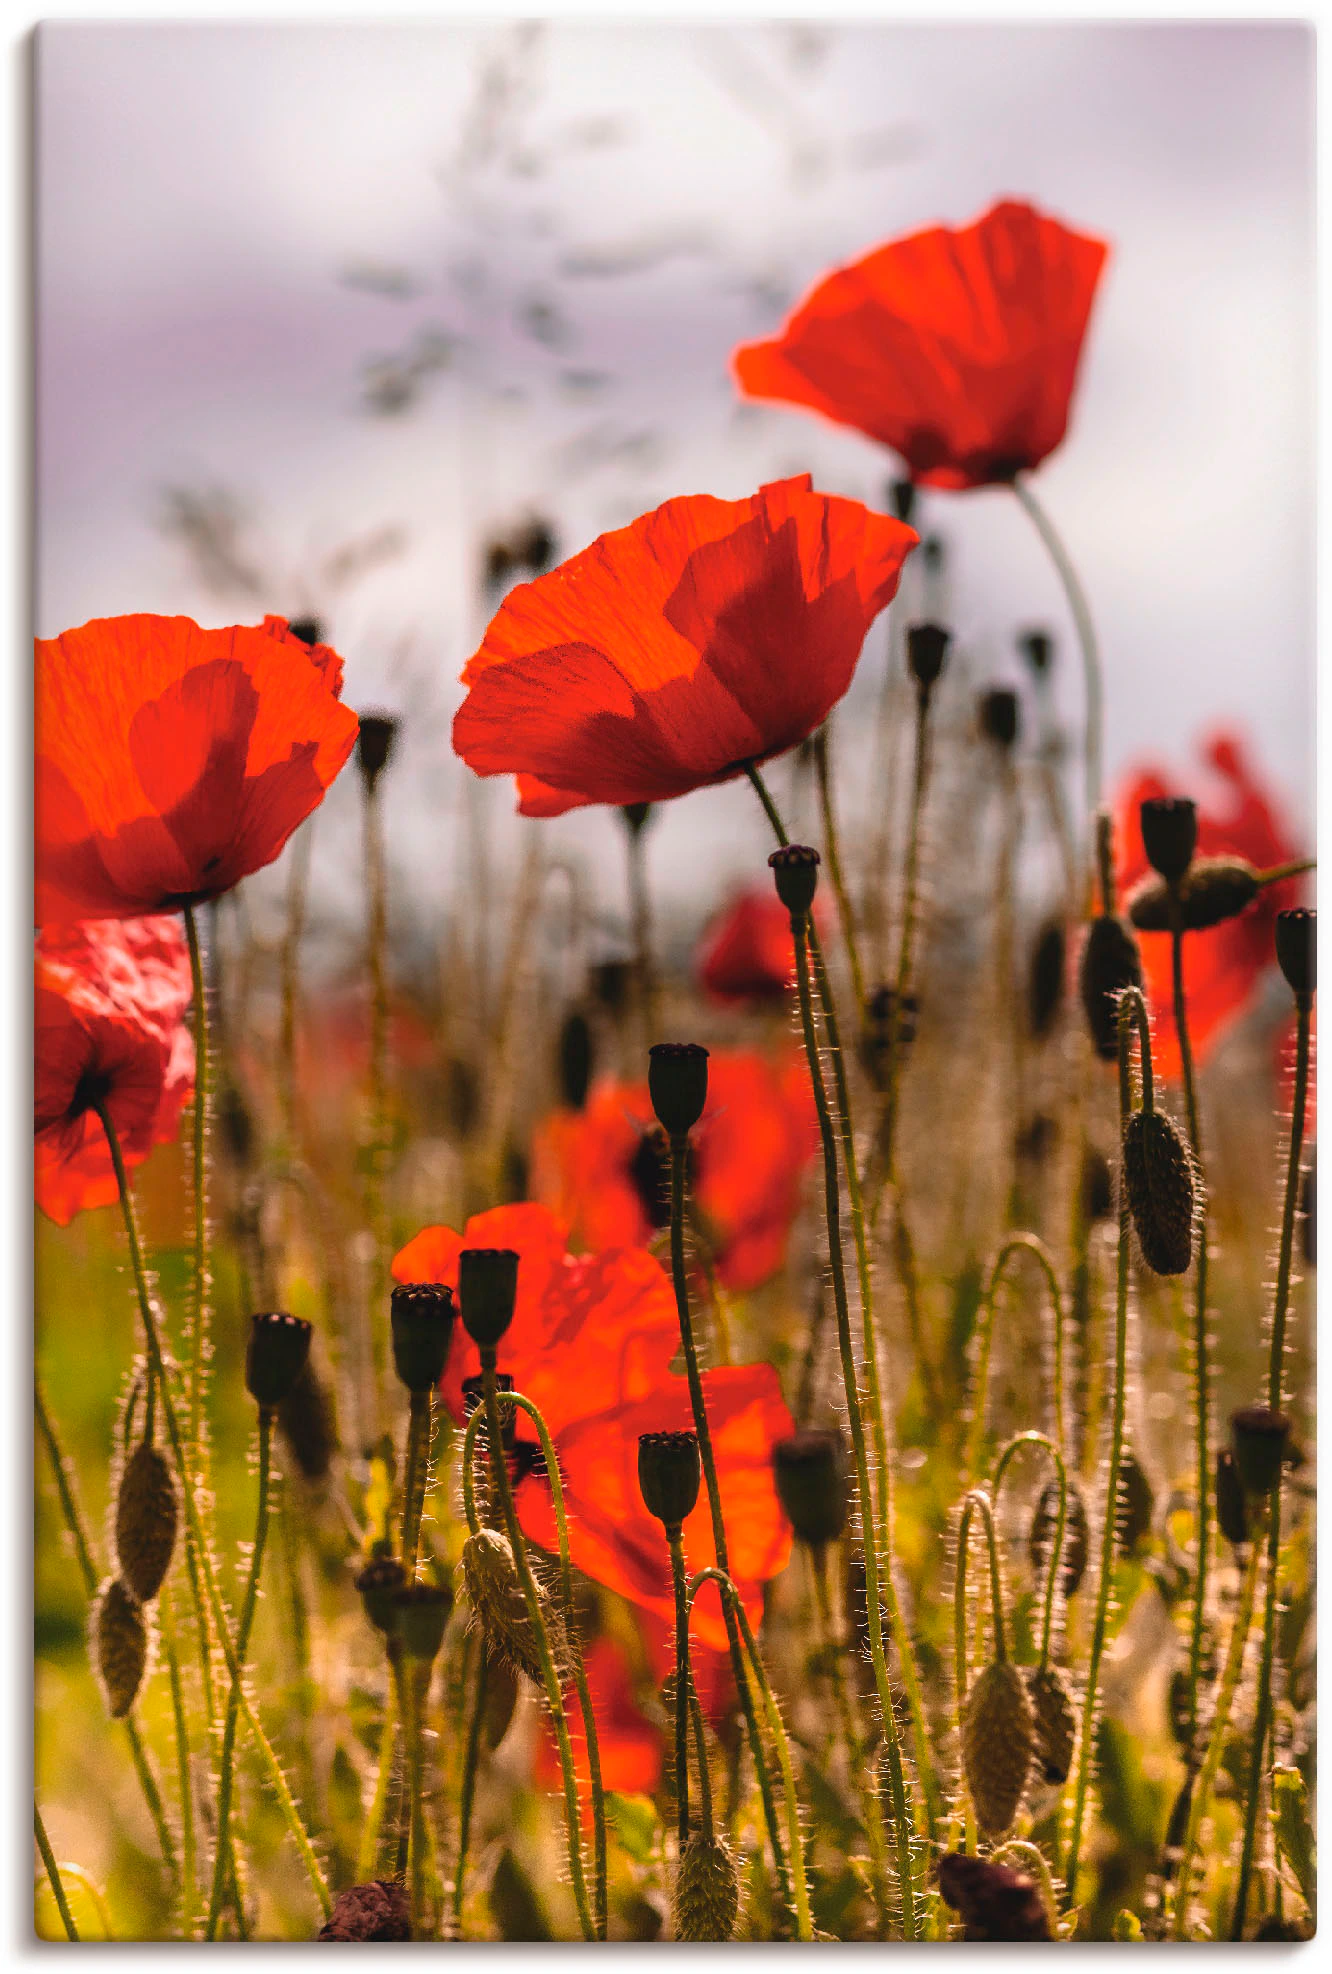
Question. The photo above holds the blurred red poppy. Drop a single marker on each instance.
(173, 761)
(957, 347)
(591, 1342)
(109, 1001)
(746, 953)
(1222, 967)
(706, 634)
(605, 1171)
(631, 1746)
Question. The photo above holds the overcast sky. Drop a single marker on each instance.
(557, 243)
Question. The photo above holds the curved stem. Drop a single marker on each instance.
(1276, 1365)
(832, 850)
(248, 1606)
(1201, 1370)
(675, 1539)
(731, 1596)
(1002, 1465)
(1017, 1244)
(53, 1875)
(1035, 1859)
(467, 1790)
(1080, 612)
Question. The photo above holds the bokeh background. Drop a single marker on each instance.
(323, 308)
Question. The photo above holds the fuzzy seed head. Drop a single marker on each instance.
(495, 1591)
(1158, 1173)
(1056, 1722)
(998, 1741)
(707, 1890)
(147, 1513)
(121, 1640)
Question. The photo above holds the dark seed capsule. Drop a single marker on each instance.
(1169, 833)
(308, 1424)
(995, 1901)
(1231, 1514)
(997, 711)
(147, 1512)
(1135, 1503)
(487, 1292)
(275, 1357)
(795, 872)
(379, 1582)
(1045, 1520)
(1158, 1173)
(1260, 1439)
(1214, 890)
(121, 1639)
(374, 745)
(678, 1085)
(574, 1058)
(1098, 1192)
(420, 1613)
(669, 1472)
(811, 1473)
(1045, 981)
(1297, 949)
(927, 648)
(1110, 963)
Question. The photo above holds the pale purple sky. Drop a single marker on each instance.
(203, 188)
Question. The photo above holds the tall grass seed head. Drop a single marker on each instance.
(1158, 1174)
(706, 1899)
(147, 1516)
(998, 1742)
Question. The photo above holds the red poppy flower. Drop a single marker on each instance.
(1222, 967)
(704, 635)
(109, 997)
(957, 347)
(630, 1745)
(173, 761)
(591, 1342)
(747, 953)
(604, 1168)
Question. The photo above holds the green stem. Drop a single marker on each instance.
(640, 911)
(871, 1808)
(226, 1771)
(731, 1596)
(1034, 1858)
(419, 1426)
(675, 1538)
(1132, 1011)
(187, 1886)
(290, 960)
(698, 1403)
(1276, 1366)
(416, 1684)
(1002, 1465)
(196, 1476)
(53, 1875)
(369, 1847)
(1080, 612)
(376, 1162)
(1016, 1244)
(467, 1791)
(1201, 1369)
(845, 910)
(887, 1140)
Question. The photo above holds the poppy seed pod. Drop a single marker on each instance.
(998, 1740)
(1056, 1722)
(1297, 950)
(420, 1612)
(810, 1471)
(573, 1054)
(1037, 647)
(381, 1910)
(995, 1901)
(1077, 1536)
(636, 816)
(902, 499)
(275, 1356)
(1231, 1514)
(473, 1394)
(374, 745)
(1169, 834)
(1260, 1438)
(308, 629)
(1135, 1503)
(1158, 1175)
(1045, 979)
(795, 870)
(669, 1472)
(309, 1425)
(487, 1291)
(378, 1583)
(706, 1899)
(121, 1641)
(678, 1085)
(421, 1321)
(997, 711)
(927, 649)
(1212, 890)
(147, 1511)
(1110, 963)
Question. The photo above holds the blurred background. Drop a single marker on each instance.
(328, 312)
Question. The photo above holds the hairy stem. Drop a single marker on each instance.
(249, 1603)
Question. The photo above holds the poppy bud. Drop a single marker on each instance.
(927, 648)
(1077, 1539)
(995, 1901)
(1110, 963)
(678, 1085)
(121, 1640)
(998, 714)
(1297, 950)
(1158, 1175)
(1045, 981)
(308, 1423)
(381, 1910)
(473, 1394)
(574, 1058)
(1169, 834)
(1037, 647)
(636, 816)
(810, 1470)
(669, 1471)
(421, 1320)
(998, 1740)
(379, 1583)
(1231, 1515)
(308, 629)
(1260, 1438)
(420, 1612)
(374, 745)
(146, 1516)
(487, 1291)
(495, 1591)
(707, 1889)
(795, 870)
(1134, 1503)
(534, 545)
(275, 1357)
(902, 496)
(1212, 890)
(1056, 1722)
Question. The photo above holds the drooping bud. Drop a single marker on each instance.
(374, 745)
(997, 712)
(678, 1085)
(1045, 980)
(810, 1468)
(1232, 1516)
(706, 1900)
(927, 650)
(1110, 963)
(1158, 1174)
(534, 544)
(1212, 890)
(379, 1583)
(1037, 647)
(495, 1591)
(308, 1424)
(1169, 834)
(121, 1640)
(421, 1320)
(420, 1614)
(995, 1901)
(1135, 1503)
(998, 1740)
(147, 1513)
(1056, 1722)
(275, 1356)
(1077, 1535)
(795, 870)
(669, 1472)
(1297, 950)
(487, 1291)
(1260, 1439)
(573, 1054)
(381, 1910)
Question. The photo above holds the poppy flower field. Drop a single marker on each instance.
(806, 1436)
